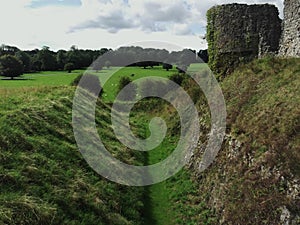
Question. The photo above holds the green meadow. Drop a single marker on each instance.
(109, 78)
(47, 78)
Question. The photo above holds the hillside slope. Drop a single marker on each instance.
(43, 177)
(256, 176)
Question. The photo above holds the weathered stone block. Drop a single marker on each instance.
(238, 33)
(290, 43)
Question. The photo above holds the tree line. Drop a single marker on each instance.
(47, 60)
(149, 57)
(14, 62)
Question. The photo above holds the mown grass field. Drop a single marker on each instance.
(47, 78)
(109, 77)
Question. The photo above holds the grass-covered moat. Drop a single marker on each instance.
(254, 179)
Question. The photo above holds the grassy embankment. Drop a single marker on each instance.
(39, 183)
(165, 202)
(43, 177)
(256, 173)
(252, 182)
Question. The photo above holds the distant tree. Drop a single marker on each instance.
(97, 65)
(153, 63)
(143, 64)
(36, 64)
(25, 58)
(86, 57)
(146, 64)
(10, 66)
(69, 67)
(130, 95)
(61, 59)
(108, 56)
(107, 64)
(124, 56)
(167, 66)
(186, 58)
(174, 57)
(8, 50)
(74, 56)
(123, 82)
(103, 51)
(46, 57)
(203, 54)
(162, 55)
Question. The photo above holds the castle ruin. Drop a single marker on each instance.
(239, 33)
(290, 43)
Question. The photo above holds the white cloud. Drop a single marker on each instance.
(154, 15)
(107, 23)
(112, 22)
(181, 29)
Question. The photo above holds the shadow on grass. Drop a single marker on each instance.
(148, 209)
(18, 78)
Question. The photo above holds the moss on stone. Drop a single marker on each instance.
(238, 33)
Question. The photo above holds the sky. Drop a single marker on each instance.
(94, 24)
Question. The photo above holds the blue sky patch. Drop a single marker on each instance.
(42, 3)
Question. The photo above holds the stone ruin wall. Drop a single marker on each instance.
(238, 33)
(290, 43)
